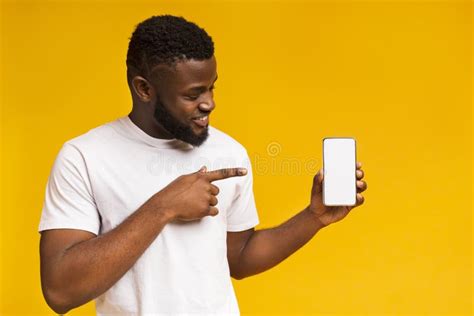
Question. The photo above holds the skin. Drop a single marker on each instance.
(77, 266)
(186, 92)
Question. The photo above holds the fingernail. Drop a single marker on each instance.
(242, 171)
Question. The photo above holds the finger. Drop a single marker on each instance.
(360, 174)
(213, 211)
(214, 189)
(359, 165)
(318, 177)
(213, 200)
(361, 185)
(203, 169)
(225, 173)
(360, 199)
(317, 182)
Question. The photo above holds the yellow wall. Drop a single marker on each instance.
(394, 75)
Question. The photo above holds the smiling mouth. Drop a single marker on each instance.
(202, 121)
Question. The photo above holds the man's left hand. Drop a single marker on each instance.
(331, 214)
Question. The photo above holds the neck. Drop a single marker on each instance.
(146, 122)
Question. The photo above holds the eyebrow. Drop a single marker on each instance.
(201, 88)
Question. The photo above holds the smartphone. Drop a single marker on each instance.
(339, 170)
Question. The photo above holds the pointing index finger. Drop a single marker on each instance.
(225, 173)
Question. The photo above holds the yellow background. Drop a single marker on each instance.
(397, 76)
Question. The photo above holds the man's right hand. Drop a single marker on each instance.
(192, 196)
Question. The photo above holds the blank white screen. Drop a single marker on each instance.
(339, 183)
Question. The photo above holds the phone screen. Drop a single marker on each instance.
(339, 167)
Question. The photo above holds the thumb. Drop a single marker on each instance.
(318, 180)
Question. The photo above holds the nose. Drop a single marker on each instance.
(207, 106)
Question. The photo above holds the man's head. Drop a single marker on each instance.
(171, 70)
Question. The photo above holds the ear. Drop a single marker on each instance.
(143, 89)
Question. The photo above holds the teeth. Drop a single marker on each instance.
(202, 118)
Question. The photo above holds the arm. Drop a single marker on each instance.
(251, 252)
(77, 266)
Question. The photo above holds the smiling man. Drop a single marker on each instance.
(153, 213)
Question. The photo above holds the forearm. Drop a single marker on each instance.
(89, 268)
(268, 247)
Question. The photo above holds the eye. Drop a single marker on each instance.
(195, 97)
(192, 97)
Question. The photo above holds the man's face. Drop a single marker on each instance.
(184, 99)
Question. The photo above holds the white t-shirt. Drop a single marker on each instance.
(101, 177)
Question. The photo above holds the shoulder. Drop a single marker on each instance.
(81, 149)
(94, 139)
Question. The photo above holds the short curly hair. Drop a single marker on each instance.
(166, 39)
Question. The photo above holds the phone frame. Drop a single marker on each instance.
(355, 175)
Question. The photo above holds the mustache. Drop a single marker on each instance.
(201, 114)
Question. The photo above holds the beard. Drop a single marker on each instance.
(179, 130)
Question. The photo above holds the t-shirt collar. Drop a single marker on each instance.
(136, 132)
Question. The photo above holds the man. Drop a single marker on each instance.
(132, 217)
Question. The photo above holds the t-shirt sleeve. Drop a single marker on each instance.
(242, 214)
(69, 201)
